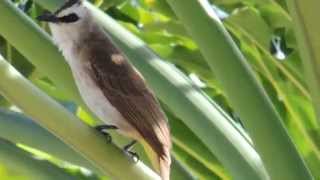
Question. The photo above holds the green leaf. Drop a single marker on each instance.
(234, 73)
(26, 165)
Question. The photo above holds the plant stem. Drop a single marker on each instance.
(22, 162)
(19, 129)
(242, 89)
(85, 140)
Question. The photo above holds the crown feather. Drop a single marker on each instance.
(67, 5)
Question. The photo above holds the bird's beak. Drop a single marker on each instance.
(48, 17)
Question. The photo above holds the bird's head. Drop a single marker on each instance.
(69, 24)
(71, 12)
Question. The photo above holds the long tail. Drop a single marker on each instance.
(161, 163)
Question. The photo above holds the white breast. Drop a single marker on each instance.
(95, 99)
(93, 96)
(65, 36)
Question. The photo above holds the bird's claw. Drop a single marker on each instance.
(25, 6)
(107, 136)
(132, 154)
(102, 129)
(135, 157)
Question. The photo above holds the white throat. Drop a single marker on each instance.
(67, 35)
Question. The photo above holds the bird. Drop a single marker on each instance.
(112, 88)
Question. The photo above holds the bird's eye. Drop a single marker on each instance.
(69, 18)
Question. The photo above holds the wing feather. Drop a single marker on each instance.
(126, 90)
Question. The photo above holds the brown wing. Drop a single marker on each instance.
(125, 89)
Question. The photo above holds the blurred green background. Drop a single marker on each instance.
(264, 31)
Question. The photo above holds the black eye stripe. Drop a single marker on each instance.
(69, 18)
(67, 5)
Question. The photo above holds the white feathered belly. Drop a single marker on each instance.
(97, 102)
(90, 92)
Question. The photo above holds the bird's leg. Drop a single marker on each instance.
(25, 6)
(127, 148)
(102, 129)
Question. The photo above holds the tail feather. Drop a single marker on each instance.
(161, 163)
(165, 162)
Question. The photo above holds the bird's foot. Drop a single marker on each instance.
(135, 156)
(25, 6)
(102, 129)
(127, 148)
